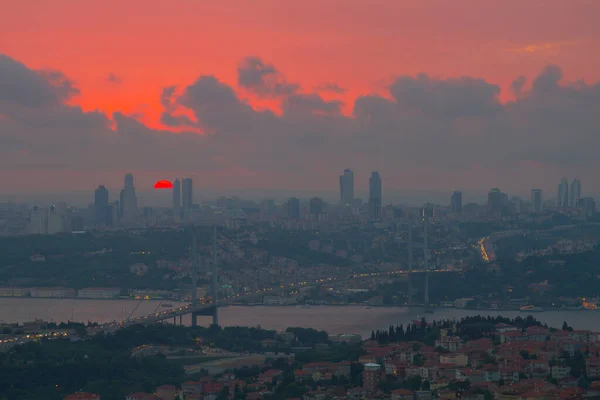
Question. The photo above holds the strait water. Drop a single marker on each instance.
(333, 319)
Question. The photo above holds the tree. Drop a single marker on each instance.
(81, 332)
(223, 394)
(413, 383)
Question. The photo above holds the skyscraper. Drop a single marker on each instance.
(375, 195)
(456, 202)
(101, 205)
(536, 200)
(562, 200)
(316, 209)
(496, 201)
(129, 199)
(575, 193)
(293, 208)
(347, 187)
(176, 196)
(187, 196)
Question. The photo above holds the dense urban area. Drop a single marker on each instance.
(508, 254)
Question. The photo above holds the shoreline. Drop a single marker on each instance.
(300, 305)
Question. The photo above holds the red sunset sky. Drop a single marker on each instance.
(360, 45)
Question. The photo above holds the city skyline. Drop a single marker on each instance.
(255, 114)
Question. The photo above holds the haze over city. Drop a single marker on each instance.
(299, 199)
(436, 96)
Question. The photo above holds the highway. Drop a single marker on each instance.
(8, 342)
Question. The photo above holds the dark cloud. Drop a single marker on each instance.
(169, 117)
(113, 78)
(462, 97)
(548, 79)
(331, 87)
(433, 125)
(310, 104)
(22, 86)
(263, 79)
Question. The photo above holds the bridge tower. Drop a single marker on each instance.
(213, 311)
(194, 262)
(410, 262)
(214, 286)
(426, 258)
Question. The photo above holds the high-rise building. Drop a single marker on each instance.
(39, 221)
(375, 195)
(55, 221)
(587, 205)
(316, 209)
(101, 205)
(187, 196)
(293, 208)
(496, 201)
(112, 214)
(456, 202)
(536, 200)
(347, 187)
(575, 193)
(129, 199)
(176, 196)
(562, 200)
(515, 205)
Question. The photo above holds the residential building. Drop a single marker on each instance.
(167, 392)
(293, 208)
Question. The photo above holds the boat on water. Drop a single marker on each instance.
(531, 309)
(368, 308)
(305, 306)
(428, 311)
(167, 305)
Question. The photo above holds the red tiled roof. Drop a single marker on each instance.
(512, 334)
(141, 396)
(82, 396)
(402, 392)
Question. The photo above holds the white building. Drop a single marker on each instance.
(98, 293)
(54, 292)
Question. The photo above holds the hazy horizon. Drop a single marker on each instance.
(163, 198)
(434, 95)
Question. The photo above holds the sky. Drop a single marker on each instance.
(435, 95)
